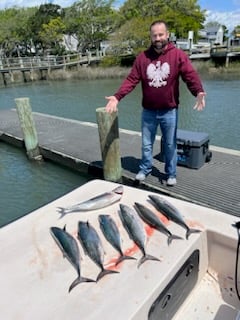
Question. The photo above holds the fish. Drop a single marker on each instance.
(100, 201)
(154, 221)
(112, 235)
(172, 213)
(135, 230)
(69, 247)
(93, 247)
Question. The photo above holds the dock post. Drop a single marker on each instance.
(24, 111)
(227, 61)
(109, 143)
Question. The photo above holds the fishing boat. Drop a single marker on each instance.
(194, 278)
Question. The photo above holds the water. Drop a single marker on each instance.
(26, 186)
(79, 100)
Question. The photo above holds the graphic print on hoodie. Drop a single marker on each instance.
(157, 74)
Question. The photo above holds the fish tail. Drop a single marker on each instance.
(78, 281)
(173, 237)
(105, 272)
(145, 258)
(122, 258)
(62, 212)
(190, 231)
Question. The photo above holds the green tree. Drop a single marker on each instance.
(133, 33)
(14, 29)
(91, 21)
(145, 8)
(51, 35)
(7, 39)
(42, 16)
(180, 15)
(177, 13)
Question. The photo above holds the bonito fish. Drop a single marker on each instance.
(153, 221)
(103, 200)
(69, 247)
(172, 213)
(92, 246)
(111, 233)
(135, 230)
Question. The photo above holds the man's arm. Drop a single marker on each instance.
(126, 87)
(193, 81)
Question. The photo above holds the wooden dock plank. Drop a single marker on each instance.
(76, 144)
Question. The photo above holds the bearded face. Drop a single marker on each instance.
(159, 44)
(159, 36)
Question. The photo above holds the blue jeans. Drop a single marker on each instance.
(167, 120)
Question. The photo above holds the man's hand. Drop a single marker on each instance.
(200, 104)
(112, 104)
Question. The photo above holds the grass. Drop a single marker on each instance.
(209, 67)
(93, 73)
(90, 73)
(113, 72)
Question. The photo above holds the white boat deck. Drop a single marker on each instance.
(206, 303)
(35, 278)
(214, 298)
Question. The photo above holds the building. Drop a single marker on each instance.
(212, 34)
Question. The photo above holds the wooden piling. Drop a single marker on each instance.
(227, 61)
(24, 111)
(109, 143)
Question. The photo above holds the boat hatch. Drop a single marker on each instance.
(171, 298)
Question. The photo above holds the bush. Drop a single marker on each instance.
(127, 61)
(110, 61)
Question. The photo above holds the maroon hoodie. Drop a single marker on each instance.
(159, 75)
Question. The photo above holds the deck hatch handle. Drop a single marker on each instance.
(166, 300)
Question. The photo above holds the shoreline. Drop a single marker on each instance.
(92, 73)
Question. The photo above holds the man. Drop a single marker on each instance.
(159, 69)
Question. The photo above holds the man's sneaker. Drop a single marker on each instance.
(140, 176)
(171, 182)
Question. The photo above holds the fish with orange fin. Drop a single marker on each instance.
(92, 246)
(172, 213)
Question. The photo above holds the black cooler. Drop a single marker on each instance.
(192, 149)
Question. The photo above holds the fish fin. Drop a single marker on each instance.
(78, 281)
(118, 190)
(145, 258)
(189, 231)
(104, 272)
(173, 237)
(122, 258)
(62, 212)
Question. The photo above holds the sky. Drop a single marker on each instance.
(226, 12)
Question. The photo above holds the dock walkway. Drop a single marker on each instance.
(76, 144)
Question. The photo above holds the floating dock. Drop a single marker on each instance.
(76, 144)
